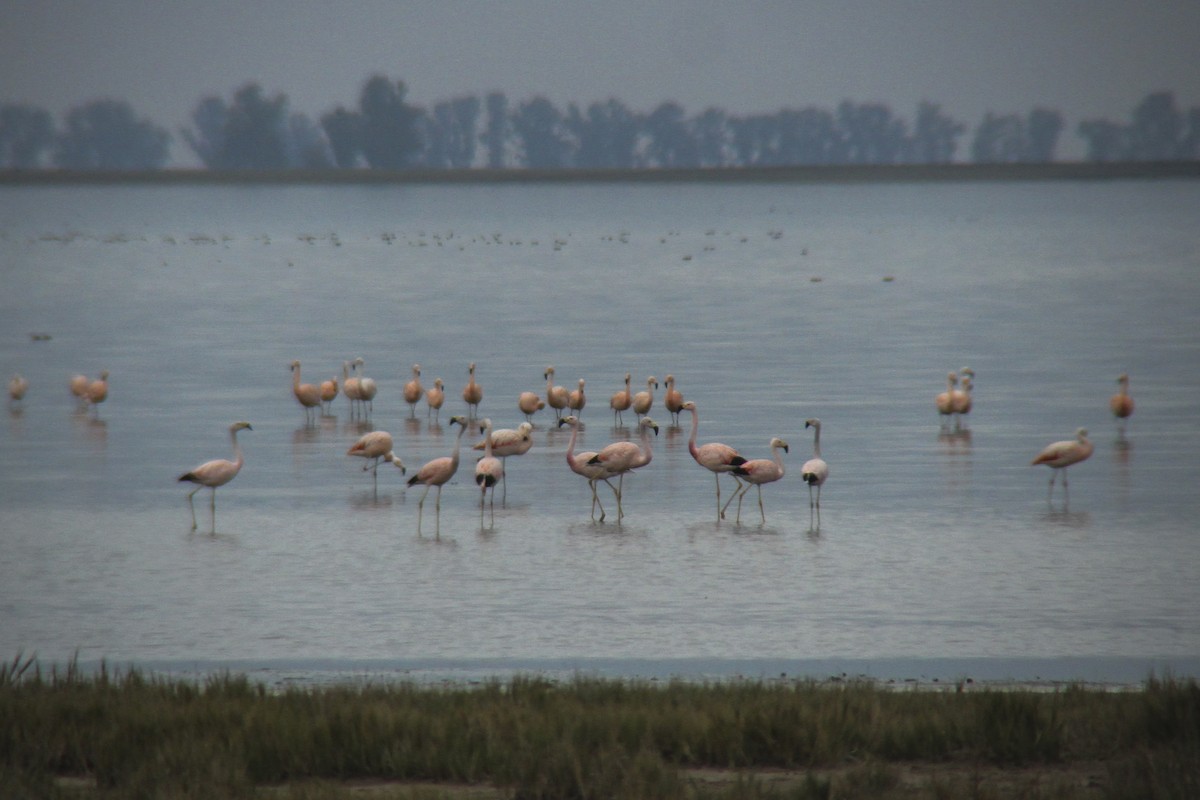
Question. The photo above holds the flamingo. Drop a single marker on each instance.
(507, 442)
(472, 393)
(815, 470)
(756, 472)
(434, 397)
(97, 391)
(717, 458)
(489, 470)
(308, 395)
(960, 400)
(17, 387)
(79, 384)
(351, 387)
(438, 472)
(580, 466)
(1121, 404)
(673, 399)
(529, 403)
(945, 400)
(217, 472)
(329, 393)
(621, 457)
(366, 388)
(413, 391)
(576, 400)
(621, 401)
(1061, 455)
(376, 446)
(556, 396)
(643, 400)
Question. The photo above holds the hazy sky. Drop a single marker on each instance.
(1085, 58)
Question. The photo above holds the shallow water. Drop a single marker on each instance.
(769, 304)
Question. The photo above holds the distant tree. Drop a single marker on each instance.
(496, 132)
(542, 134)
(390, 138)
(26, 135)
(753, 139)
(208, 140)
(307, 146)
(809, 136)
(252, 132)
(713, 135)
(106, 134)
(343, 130)
(1041, 132)
(670, 138)
(1190, 144)
(999, 139)
(451, 134)
(1106, 141)
(1157, 130)
(607, 135)
(871, 134)
(935, 136)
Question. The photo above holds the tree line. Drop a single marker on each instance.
(257, 130)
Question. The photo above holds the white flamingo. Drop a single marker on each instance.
(472, 393)
(366, 389)
(756, 472)
(1060, 455)
(413, 391)
(717, 458)
(217, 472)
(621, 401)
(377, 447)
(815, 470)
(642, 401)
(308, 395)
(435, 396)
(579, 464)
(672, 399)
(556, 396)
(437, 473)
(489, 470)
(621, 457)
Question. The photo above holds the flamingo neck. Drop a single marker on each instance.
(817, 442)
(237, 450)
(695, 429)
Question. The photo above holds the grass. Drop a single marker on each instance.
(66, 734)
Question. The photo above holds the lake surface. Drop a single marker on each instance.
(937, 551)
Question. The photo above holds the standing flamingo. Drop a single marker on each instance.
(945, 400)
(366, 389)
(556, 396)
(17, 387)
(97, 391)
(217, 472)
(351, 387)
(413, 391)
(376, 446)
(576, 399)
(756, 472)
(717, 458)
(308, 395)
(1061, 455)
(529, 403)
(815, 470)
(961, 399)
(579, 464)
(472, 393)
(673, 400)
(79, 385)
(434, 397)
(329, 393)
(621, 457)
(507, 442)
(621, 401)
(437, 473)
(1121, 404)
(642, 401)
(489, 470)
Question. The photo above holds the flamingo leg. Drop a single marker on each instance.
(212, 504)
(761, 510)
(191, 507)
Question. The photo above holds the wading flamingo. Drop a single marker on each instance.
(489, 470)
(376, 446)
(1061, 455)
(960, 399)
(756, 472)
(621, 401)
(507, 442)
(413, 391)
(642, 401)
(529, 403)
(1121, 404)
(97, 391)
(17, 387)
(945, 400)
(79, 385)
(715, 457)
(329, 393)
(673, 399)
(578, 462)
(434, 397)
(308, 395)
(472, 393)
(556, 396)
(217, 472)
(366, 389)
(815, 470)
(576, 399)
(621, 457)
(437, 473)
(352, 388)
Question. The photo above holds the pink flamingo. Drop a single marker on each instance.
(945, 400)
(1121, 404)
(556, 396)
(673, 399)
(576, 399)
(434, 398)
(717, 458)
(79, 385)
(413, 391)
(97, 391)
(217, 472)
(507, 442)
(756, 472)
(815, 470)
(642, 401)
(437, 473)
(376, 446)
(621, 457)
(528, 403)
(366, 388)
(329, 393)
(1061, 455)
(351, 387)
(17, 387)
(308, 395)
(489, 470)
(621, 401)
(472, 393)
(960, 400)
(580, 466)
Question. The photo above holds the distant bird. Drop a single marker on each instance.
(960, 399)
(756, 472)
(717, 458)
(216, 473)
(1061, 455)
(673, 399)
(556, 396)
(377, 447)
(621, 457)
(578, 462)
(438, 472)
(576, 399)
(621, 401)
(529, 403)
(642, 401)
(815, 470)
(308, 395)
(329, 393)
(352, 388)
(489, 470)
(366, 389)
(945, 400)
(472, 393)
(434, 397)
(17, 387)
(79, 386)
(413, 391)
(1121, 404)
(507, 442)
(97, 391)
